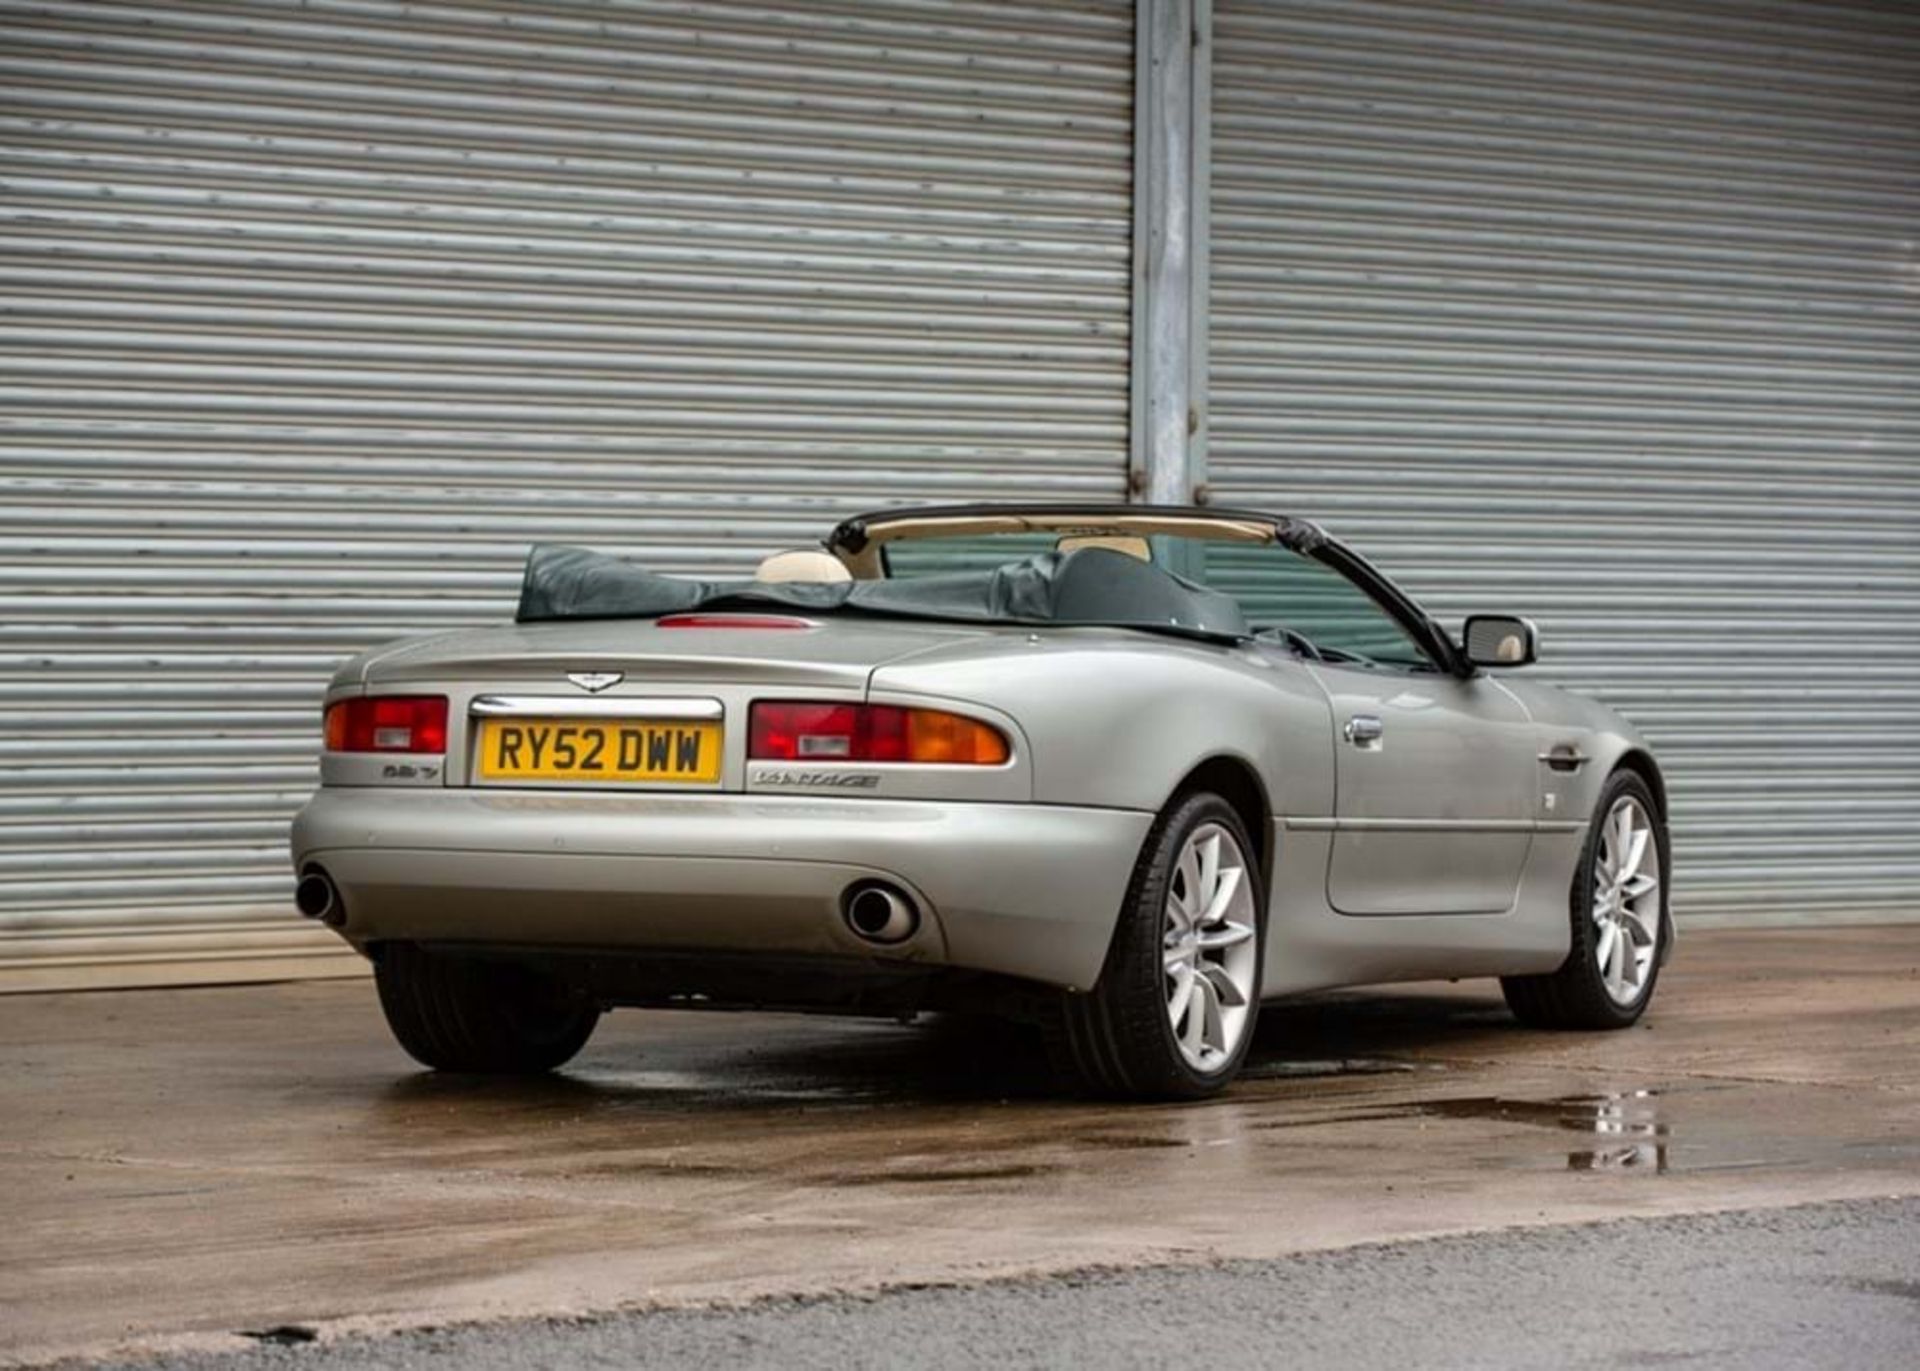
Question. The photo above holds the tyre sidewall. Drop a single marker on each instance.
(1147, 914)
(467, 1015)
(1581, 954)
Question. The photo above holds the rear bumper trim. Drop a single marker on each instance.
(1020, 889)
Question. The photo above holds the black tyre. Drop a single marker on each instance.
(466, 1014)
(1175, 1007)
(1620, 921)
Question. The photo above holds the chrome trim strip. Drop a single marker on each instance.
(1329, 825)
(595, 707)
(1437, 825)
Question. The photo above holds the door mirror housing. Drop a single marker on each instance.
(1501, 640)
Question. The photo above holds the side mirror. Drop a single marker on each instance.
(1500, 640)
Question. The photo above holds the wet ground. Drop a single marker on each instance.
(205, 1165)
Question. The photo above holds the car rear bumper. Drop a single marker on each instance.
(1019, 889)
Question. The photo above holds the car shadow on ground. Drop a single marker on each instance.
(788, 1061)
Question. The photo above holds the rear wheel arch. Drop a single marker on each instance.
(1234, 780)
(1133, 1033)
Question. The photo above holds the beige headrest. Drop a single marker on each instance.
(803, 564)
(1116, 542)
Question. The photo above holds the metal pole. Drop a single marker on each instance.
(1169, 219)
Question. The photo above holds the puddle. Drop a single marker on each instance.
(1638, 1157)
(282, 1334)
(1365, 1114)
(652, 1167)
(1627, 1130)
(1338, 1066)
(948, 1175)
(1127, 1141)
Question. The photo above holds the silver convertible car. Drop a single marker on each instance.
(1122, 772)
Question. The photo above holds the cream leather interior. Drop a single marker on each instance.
(1131, 544)
(803, 564)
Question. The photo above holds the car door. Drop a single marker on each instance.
(1435, 784)
(1434, 792)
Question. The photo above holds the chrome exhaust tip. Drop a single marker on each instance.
(316, 898)
(880, 913)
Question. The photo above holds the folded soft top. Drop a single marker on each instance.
(1088, 586)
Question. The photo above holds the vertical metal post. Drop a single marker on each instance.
(1200, 253)
(1171, 99)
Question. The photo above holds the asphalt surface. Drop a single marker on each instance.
(1822, 1285)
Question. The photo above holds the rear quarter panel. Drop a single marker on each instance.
(1119, 720)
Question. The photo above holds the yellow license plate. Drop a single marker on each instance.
(600, 751)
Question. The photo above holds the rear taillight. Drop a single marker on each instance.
(388, 723)
(805, 731)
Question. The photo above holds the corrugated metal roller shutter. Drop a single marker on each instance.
(1610, 314)
(322, 310)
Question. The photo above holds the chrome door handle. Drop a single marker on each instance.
(1364, 729)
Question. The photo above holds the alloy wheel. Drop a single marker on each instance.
(1626, 900)
(1211, 948)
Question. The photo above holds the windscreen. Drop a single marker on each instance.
(1277, 591)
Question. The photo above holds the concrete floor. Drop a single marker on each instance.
(182, 1166)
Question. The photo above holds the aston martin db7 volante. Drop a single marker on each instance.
(1119, 771)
